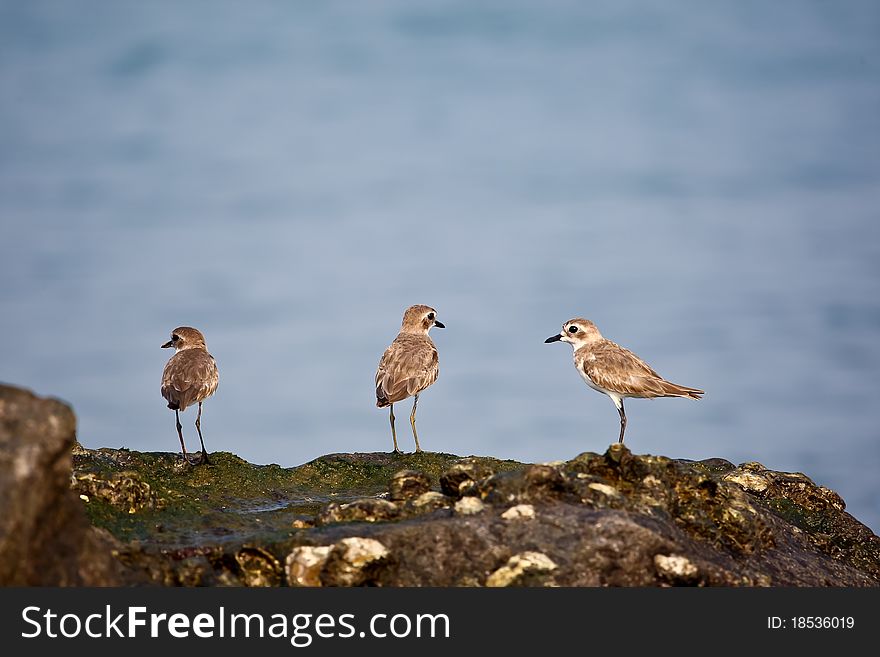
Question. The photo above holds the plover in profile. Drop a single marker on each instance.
(190, 376)
(613, 370)
(409, 365)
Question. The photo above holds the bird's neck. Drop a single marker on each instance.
(191, 346)
(418, 332)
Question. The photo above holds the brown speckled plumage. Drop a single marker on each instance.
(409, 365)
(190, 376)
(614, 370)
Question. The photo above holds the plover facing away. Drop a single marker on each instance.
(409, 365)
(190, 376)
(613, 370)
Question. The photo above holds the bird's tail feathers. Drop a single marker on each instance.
(675, 390)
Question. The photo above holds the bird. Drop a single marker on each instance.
(190, 376)
(409, 365)
(614, 370)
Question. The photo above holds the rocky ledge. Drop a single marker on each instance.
(111, 517)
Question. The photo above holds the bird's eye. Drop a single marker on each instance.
(175, 338)
(572, 329)
(431, 316)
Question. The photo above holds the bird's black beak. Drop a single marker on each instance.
(439, 324)
(553, 338)
(167, 344)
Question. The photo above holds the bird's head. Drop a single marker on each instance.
(420, 319)
(577, 332)
(186, 337)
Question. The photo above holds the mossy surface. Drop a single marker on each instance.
(231, 500)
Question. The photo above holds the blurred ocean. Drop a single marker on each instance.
(702, 180)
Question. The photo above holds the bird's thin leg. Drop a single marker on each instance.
(412, 421)
(180, 434)
(199, 429)
(622, 413)
(393, 432)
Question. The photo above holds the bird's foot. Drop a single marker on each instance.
(199, 458)
(419, 450)
(396, 451)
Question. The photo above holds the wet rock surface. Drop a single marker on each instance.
(611, 519)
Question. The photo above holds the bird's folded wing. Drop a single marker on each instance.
(615, 368)
(404, 372)
(190, 378)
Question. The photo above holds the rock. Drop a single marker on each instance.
(460, 479)
(125, 490)
(350, 562)
(750, 481)
(676, 568)
(605, 489)
(604, 519)
(45, 538)
(531, 483)
(408, 484)
(519, 512)
(467, 506)
(431, 501)
(526, 569)
(366, 510)
(259, 567)
(612, 519)
(305, 563)
(354, 562)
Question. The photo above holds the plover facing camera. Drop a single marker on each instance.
(409, 365)
(190, 377)
(613, 370)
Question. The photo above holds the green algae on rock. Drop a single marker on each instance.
(232, 500)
